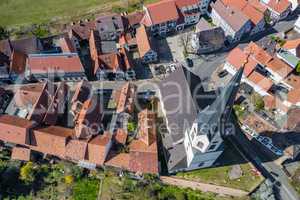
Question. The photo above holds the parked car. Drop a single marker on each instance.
(223, 73)
(189, 62)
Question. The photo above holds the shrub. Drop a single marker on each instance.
(27, 173)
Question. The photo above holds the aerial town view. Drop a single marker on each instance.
(149, 100)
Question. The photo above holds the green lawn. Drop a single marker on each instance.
(219, 175)
(16, 13)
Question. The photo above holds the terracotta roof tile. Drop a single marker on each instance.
(293, 80)
(18, 62)
(120, 136)
(120, 160)
(21, 153)
(186, 3)
(238, 58)
(41, 64)
(162, 11)
(143, 42)
(294, 96)
(280, 67)
(147, 127)
(258, 53)
(76, 149)
(98, 148)
(279, 6)
(143, 162)
(66, 45)
(260, 80)
(83, 30)
(109, 61)
(52, 140)
(291, 44)
(135, 18)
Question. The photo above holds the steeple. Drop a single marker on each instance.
(218, 113)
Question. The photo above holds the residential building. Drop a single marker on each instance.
(234, 23)
(124, 98)
(110, 27)
(145, 46)
(256, 16)
(133, 20)
(187, 144)
(279, 9)
(80, 33)
(292, 46)
(189, 10)
(64, 66)
(207, 38)
(161, 17)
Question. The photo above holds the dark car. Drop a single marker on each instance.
(189, 62)
(223, 73)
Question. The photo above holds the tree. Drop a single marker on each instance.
(258, 102)
(4, 34)
(69, 179)
(27, 173)
(131, 126)
(40, 31)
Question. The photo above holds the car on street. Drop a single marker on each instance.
(223, 73)
(189, 62)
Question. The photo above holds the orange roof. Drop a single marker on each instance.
(76, 149)
(254, 15)
(259, 6)
(294, 96)
(258, 53)
(279, 6)
(162, 11)
(18, 62)
(69, 62)
(120, 160)
(291, 44)
(143, 41)
(66, 45)
(272, 102)
(186, 3)
(145, 162)
(83, 30)
(280, 67)
(109, 61)
(293, 80)
(238, 58)
(239, 4)
(21, 153)
(16, 121)
(120, 136)
(260, 80)
(97, 148)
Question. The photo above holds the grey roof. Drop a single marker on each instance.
(108, 47)
(181, 112)
(109, 23)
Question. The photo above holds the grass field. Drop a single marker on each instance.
(24, 12)
(219, 175)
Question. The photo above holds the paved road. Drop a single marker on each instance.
(269, 169)
(203, 186)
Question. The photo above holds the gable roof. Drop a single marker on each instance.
(83, 30)
(291, 44)
(260, 80)
(232, 15)
(162, 11)
(44, 63)
(143, 42)
(279, 6)
(21, 153)
(186, 3)
(17, 62)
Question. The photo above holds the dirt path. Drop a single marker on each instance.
(203, 186)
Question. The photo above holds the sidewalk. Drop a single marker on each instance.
(204, 187)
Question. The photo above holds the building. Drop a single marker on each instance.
(297, 25)
(234, 23)
(124, 98)
(165, 17)
(145, 46)
(207, 38)
(64, 66)
(278, 9)
(189, 145)
(80, 33)
(248, 8)
(110, 27)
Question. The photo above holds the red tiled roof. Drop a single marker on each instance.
(294, 96)
(186, 3)
(238, 58)
(293, 80)
(260, 80)
(135, 18)
(54, 63)
(142, 40)
(83, 30)
(52, 140)
(258, 53)
(258, 5)
(120, 136)
(124, 98)
(15, 129)
(109, 61)
(239, 4)
(120, 160)
(291, 44)
(280, 67)
(162, 11)
(66, 45)
(98, 148)
(76, 149)
(279, 6)
(21, 153)
(143, 162)
(17, 62)
(147, 126)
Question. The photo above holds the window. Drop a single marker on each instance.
(212, 147)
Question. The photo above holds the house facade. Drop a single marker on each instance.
(234, 23)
